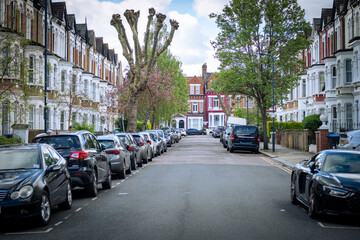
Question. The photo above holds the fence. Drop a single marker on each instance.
(297, 139)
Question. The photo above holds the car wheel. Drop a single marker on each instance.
(224, 145)
(122, 174)
(227, 148)
(165, 150)
(107, 183)
(91, 189)
(256, 151)
(68, 202)
(140, 163)
(146, 160)
(151, 156)
(313, 210)
(293, 198)
(45, 209)
(231, 149)
(129, 170)
(133, 163)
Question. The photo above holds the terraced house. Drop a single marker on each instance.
(331, 82)
(83, 71)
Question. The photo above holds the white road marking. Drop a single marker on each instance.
(118, 183)
(338, 227)
(123, 193)
(57, 224)
(282, 210)
(94, 199)
(123, 180)
(67, 216)
(25, 233)
(77, 209)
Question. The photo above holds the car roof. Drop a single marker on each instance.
(331, 151)
(61, 134)
(21, 146)
(107, 137)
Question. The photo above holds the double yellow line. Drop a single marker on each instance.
(275, 164)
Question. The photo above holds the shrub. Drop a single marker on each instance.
(82, 126)
(283, 126)
(312, 123)
(139, 126)
(12, 140)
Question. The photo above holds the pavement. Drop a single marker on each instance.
(286, 156)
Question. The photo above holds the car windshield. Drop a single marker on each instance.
(122, 138)
(19, 158)
(161, 134)
(137, 138)
(107, 143)
(60, 142)
(342, 163)
(245, 130)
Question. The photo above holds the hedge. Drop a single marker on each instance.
(139, 126)
(283, 126)
(13, 140)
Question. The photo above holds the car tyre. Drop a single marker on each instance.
(146, 160)
(68, 202)
(107, 184)
(91, 189)
(122, 174)
(231, 149)
(140, 163)
(313, 209)
(129, 170)
(45, 209)
(133, 164)
(293, 198)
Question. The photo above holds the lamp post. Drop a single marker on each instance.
(46, 68)
(273, 100)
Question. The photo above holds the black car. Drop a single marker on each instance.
(33, 180)
(87, 160)
(244, 137)
(193, 131)
(328, 183)
(218, 131)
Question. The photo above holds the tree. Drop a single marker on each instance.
(140, 60)
(227, 108)
(249, 28)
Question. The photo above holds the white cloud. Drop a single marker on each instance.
(204, 7)
(313, 8)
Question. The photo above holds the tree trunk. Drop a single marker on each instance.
(263, 117)
(132, 113)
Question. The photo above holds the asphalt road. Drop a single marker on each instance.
(197, 190)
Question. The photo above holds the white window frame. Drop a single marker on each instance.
(31, 116)
(195, 107)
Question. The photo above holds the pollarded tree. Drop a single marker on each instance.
(251, 28)
(143, 58)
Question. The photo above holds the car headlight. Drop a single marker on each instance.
(23, 193)
(337, 192)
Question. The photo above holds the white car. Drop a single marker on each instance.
(183, 132)
(151, 141)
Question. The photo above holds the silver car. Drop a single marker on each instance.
(152, 143)
(158, 142)
(350, 140)
(118, 154)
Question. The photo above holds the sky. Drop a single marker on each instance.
(191, 43)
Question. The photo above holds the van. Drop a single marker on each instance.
(244, 137)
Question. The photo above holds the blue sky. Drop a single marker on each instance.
(191, 42)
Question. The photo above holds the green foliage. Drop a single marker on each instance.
(253, 117)
(82, 126)
(251, 27)
(283, 126)
(312, 123)
(119, 125)
(12, 140)
(139, 126)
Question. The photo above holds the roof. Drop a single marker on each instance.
(82, 30)
(59, 10)
(71, 21)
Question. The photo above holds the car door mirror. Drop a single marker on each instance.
(312, 166)
(53, 168)
(102, 147)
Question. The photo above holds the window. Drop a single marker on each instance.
(86, 87)
(6, 59)
(31, 68)
(62, 120)
(216, 102)
(349, 116)
(93, 120)
(191, 89)
(348, 71)
(94, 91)
(62, 87)
(189, 106)
(333, 77)
(73, 85)
(195, 107)
(322, 81)
(210, 102)
(237, 100)
(55, 76)
(334, 119)
(28, 26)
(201, 107)
(47, 80)
(47, 112)
(31, 117)
(197, 89)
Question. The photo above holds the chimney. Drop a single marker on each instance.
(204, 70)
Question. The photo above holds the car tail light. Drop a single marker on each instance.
(79, 155)
(258, 139)
(130, 148)
(141, 144)
(232, 137)
(116, 152)
(149, 142)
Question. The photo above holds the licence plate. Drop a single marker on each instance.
(342, 141)
(245, 143)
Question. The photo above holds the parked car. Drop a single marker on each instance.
(162, 138)
(152, 142)
(217, 131)
(33, 180)
(225, 136)
(167, 134)
(183, 132)
(118, 154)
(144, 147)
(350, 140)
(132, 146)
(193, 131)
(87, 161)
(244, 137)
(158, 142)
(328, 183)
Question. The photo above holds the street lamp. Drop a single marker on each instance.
(273, 100)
